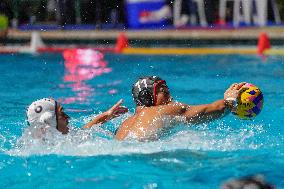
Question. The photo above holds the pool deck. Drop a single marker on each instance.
(242, 33)
(275, 34)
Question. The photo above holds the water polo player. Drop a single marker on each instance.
(47, 114)
(154, 102)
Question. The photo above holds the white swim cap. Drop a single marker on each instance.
(42, 112)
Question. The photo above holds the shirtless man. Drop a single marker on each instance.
(154, 103)
(47, 114)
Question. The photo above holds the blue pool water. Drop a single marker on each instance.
(201, 156)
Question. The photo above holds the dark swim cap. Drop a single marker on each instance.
(144, 90)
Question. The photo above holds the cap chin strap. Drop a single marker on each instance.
(155, 94)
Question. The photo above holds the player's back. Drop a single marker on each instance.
(145, 124)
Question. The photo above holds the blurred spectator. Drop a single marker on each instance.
(281, 8)
(6, 9)
(25, 11)
(52, 9)
(91, 11)
(39, 12)
(110, 12)
(211, 10)
(102, 12)
(114, 12)
(255, 182)
(66, 12)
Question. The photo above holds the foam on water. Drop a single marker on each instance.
(216, 136)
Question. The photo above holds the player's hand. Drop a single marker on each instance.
(232, 93)
(116, 110)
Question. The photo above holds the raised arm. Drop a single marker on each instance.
(113, 112)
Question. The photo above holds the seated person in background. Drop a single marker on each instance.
(154, 103)
(47, 113)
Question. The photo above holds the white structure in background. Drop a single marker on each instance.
(180, 20)
(36, 42)
(246, 14)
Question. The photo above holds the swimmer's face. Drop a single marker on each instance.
(62, 120)
(163, 95)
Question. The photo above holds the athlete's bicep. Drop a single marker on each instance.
(193, 114)
(174, 109)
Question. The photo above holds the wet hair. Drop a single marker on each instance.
(144, 90)
(254, 182)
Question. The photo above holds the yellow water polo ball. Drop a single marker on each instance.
(250, 102)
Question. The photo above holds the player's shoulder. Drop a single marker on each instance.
(129, 120)
(173, 108)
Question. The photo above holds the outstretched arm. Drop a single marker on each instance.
(215, 110)
(206, 112)
(113, 112)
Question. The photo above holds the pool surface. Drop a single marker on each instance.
(200, 156)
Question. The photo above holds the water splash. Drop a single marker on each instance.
(217, 136)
